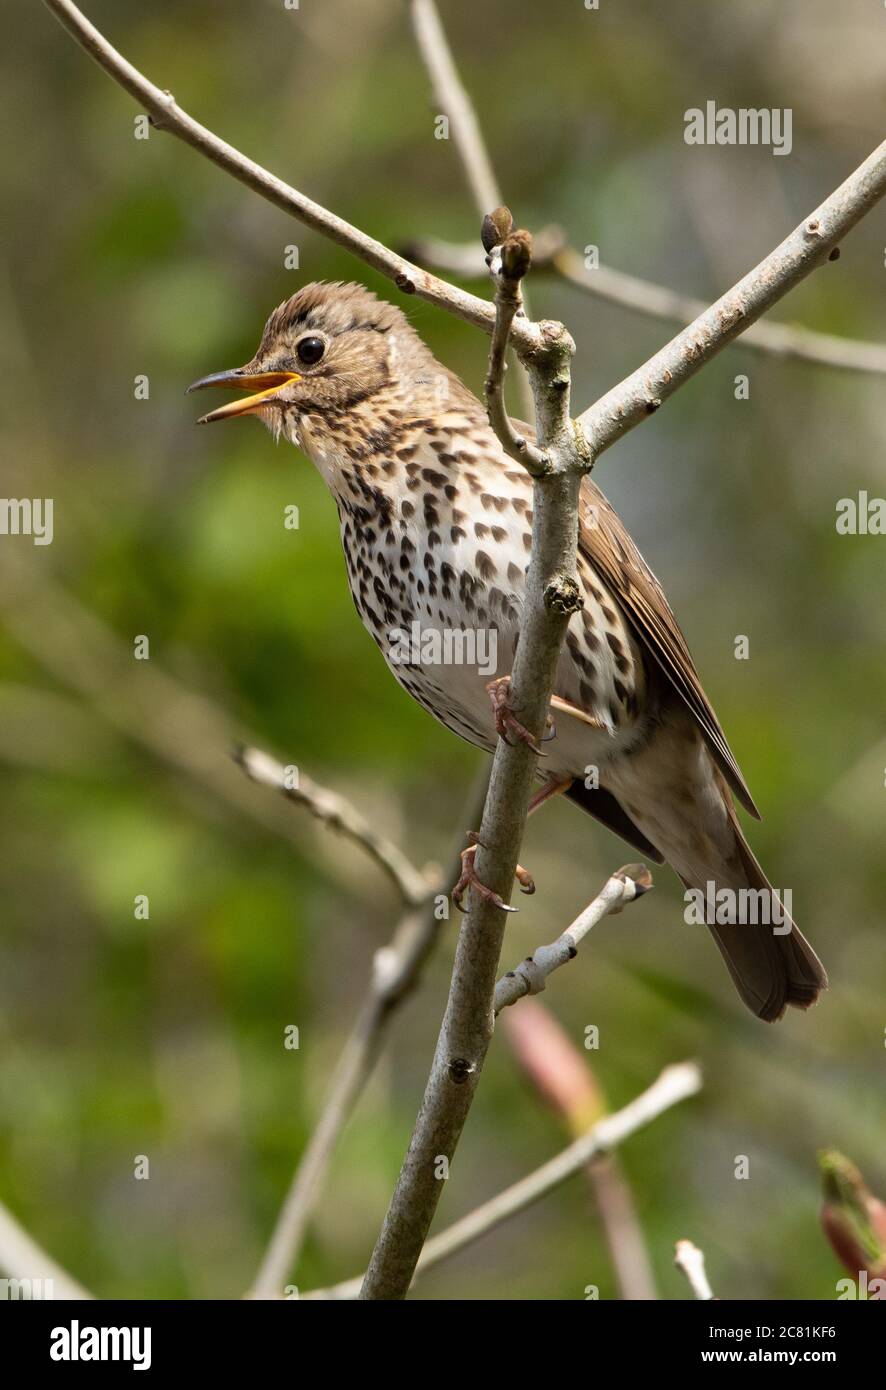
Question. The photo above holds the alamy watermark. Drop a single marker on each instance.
(85, 1343)
(723, 125)
(13, 1290)
(431, 646)
(745, 907)
(27, 516)
(861, 515)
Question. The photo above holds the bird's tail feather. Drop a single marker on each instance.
(771, 969)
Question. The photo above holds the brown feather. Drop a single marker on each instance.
(768, 971)
(606, 543)
(605, 808)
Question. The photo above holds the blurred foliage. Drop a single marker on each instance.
(165, 1037)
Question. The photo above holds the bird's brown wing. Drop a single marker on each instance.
(605, 542)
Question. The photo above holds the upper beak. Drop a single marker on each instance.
(262, 385)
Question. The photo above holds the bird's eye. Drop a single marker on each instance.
(310, 350)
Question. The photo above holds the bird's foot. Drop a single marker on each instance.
(468, 879)
(506, 722)
(554, 786)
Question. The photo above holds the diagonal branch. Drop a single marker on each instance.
(396, 970)
(454, 102)
(21, 1258)
(530, 976)
(338, 814)
(168, 115)
(640, 394)
(787, 340)
(675, 1084)
(810, 244)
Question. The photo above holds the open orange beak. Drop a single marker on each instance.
(262, 385)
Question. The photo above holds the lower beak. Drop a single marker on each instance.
(262, 385)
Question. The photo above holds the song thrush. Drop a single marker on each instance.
(436, 527)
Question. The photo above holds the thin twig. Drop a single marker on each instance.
(561, 1073)
(169, 116)
(675, 1084)
(468, 260)
(530, 976)
(690, 1261)
(180, 726)
(809, 245)
(396, 970)
(334, 811)
(788, 340)
(551, 253)
(510, 255)
(621, 1226)
(455, 103)
(22, 1259)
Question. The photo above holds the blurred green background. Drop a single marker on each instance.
(164, 1037)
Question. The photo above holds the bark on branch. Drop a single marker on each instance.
(396, 970)
(21, 1258)
(690, 1262)
(809, 245)
(552, 254)
(169, 116)
(509, 258)
(530, 976)
(552, 597)
(336, 812)
(675, 1084)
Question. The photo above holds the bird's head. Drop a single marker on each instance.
(325, 350)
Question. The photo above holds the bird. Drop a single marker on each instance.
(436, 528)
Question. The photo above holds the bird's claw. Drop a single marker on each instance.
(468, 879)
(506, 722)
(525, 880)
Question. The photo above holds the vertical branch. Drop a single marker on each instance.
(552, 597)
(675, 1084)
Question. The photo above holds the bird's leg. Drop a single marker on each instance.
(553, 786)
(469, 879)
(506, 722)
(566, 707)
